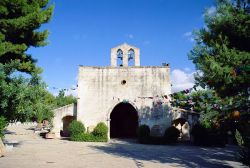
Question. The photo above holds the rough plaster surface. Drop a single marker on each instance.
(100, 89)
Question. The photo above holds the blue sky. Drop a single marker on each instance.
(82, 32)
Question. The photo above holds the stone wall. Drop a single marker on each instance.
(100, 89)
(59, 114)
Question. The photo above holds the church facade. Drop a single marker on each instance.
(123, 95)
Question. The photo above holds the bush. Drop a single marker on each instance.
(143, 134)
(101, 130)
(76, 127)
(171, 135)
(87, 137)
(215, 138)
(82, 137)
(99, 134)
(207, 137)
(3, 124)
(199, 134)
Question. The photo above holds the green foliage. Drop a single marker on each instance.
(239, 138)
(143, 134)
(76, 128)
(207, 136)
(205, 102)
(171, 135)
(23, 98)
(244, 152)
(20, 21)
(222, 58)
(101, 130)
(3, 124)
(77, 133)
(62, 100)
(88, 137)
(199, 134)
(144, 137)
(82, 137)
(222, 53)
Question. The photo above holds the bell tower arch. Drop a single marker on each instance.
(124, 54)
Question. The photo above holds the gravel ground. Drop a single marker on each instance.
(35, 152)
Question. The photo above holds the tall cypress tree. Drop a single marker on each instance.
(20, 21)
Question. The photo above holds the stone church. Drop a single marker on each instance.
(123, 95)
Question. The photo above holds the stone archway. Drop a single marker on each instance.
(184, 127)
(123, 121)
(66, 121)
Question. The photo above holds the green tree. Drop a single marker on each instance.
(24, 98)
(205, 102)
(62, 100)
(3, 124)
(21, 98)
(20, 21)
(222, 52)
(222, 58)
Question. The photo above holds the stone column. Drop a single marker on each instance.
(137, 57)
(113, 58)
(125, 58)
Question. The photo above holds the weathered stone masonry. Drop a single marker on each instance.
(101, 89)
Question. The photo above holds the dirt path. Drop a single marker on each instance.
(35, 152)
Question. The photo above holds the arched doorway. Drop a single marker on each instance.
(124, 121)
(66, 121)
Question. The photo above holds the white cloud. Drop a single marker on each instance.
(211, 10)
(181, 80)
(189, 36)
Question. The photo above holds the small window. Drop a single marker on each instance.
(123, 82)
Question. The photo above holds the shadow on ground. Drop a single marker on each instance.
(182, 155)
